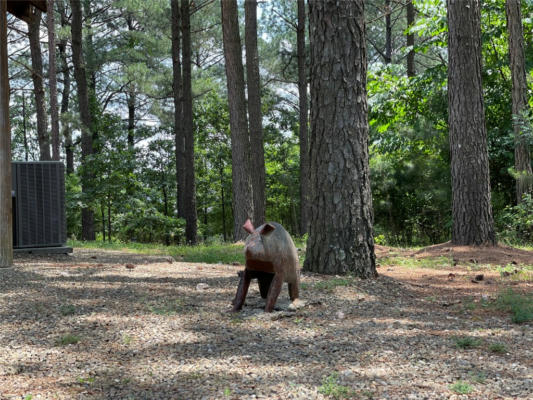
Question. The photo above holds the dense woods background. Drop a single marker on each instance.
(145, 129)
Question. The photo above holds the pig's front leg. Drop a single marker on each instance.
(273, 292)
(242, 290)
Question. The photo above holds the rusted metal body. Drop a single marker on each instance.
(272, 259)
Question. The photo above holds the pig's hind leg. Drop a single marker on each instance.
(273, 292)
(294, 291)
(265, 280)
(242, 290)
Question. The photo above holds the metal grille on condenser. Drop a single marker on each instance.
(40, 204)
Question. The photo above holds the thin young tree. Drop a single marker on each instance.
(65, 93)
(340, 233)
(303, 119)
(522, 151)
(255, 117)
(471, 207)
(191, 218)
(410, 38)
(177, 88)
(240, 141)
(52, 79)
(34, 25)
(80, 74)
(388, 32)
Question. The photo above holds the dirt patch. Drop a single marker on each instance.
(159, 330)
(497, 255)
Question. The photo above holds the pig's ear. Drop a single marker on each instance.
(248, 226)
(267, 229)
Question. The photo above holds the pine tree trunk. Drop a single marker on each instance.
(388, 32)
(240, 141)
(303, 120)
(257, 153)
(131, 119)
(191, 217)
(178, 107)
(524, 183)
(52, 79)
(340, 234)
(65, 95)
(471, 207)
(38, 89)
(410, 10)
(87, 215)
(6, 217)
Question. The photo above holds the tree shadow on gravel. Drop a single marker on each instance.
(386, 334)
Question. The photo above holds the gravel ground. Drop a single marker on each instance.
(160, 330)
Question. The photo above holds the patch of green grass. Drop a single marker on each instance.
(519, 305)
(467, 342)
(225, 253)
(468, 304)
(478, 377)
(331, 284)
(166, 307)
(516, 272)
(68, 339)
(497, 348)
(127, 339)
(67, 309)
(211, 254)
(86, 381)
(227, 392)
(331, 387)
(412, 262)
(236, 319)
(28, 397)
(461, 387)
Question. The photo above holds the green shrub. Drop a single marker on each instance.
(331, 387)
(497, 348)
(148, 225)
(461, 387)
(515, 223)
(520, 305)
(467, 342)
(67, 309)
(68, 339)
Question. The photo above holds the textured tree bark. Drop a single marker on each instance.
(257, 153)
(191, 216)
(131, 119)
(522, 151)
(65, 94)
(6, 218)
(131, 94)
(340, 234)
(410, 10)
(388, 32)
(38, 89)
(178, 107)
(52, 79)
(471, 207)
(240, 141)
(24, 130)
(87, 215)
(303, 120)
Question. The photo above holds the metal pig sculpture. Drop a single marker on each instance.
(271, 257)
